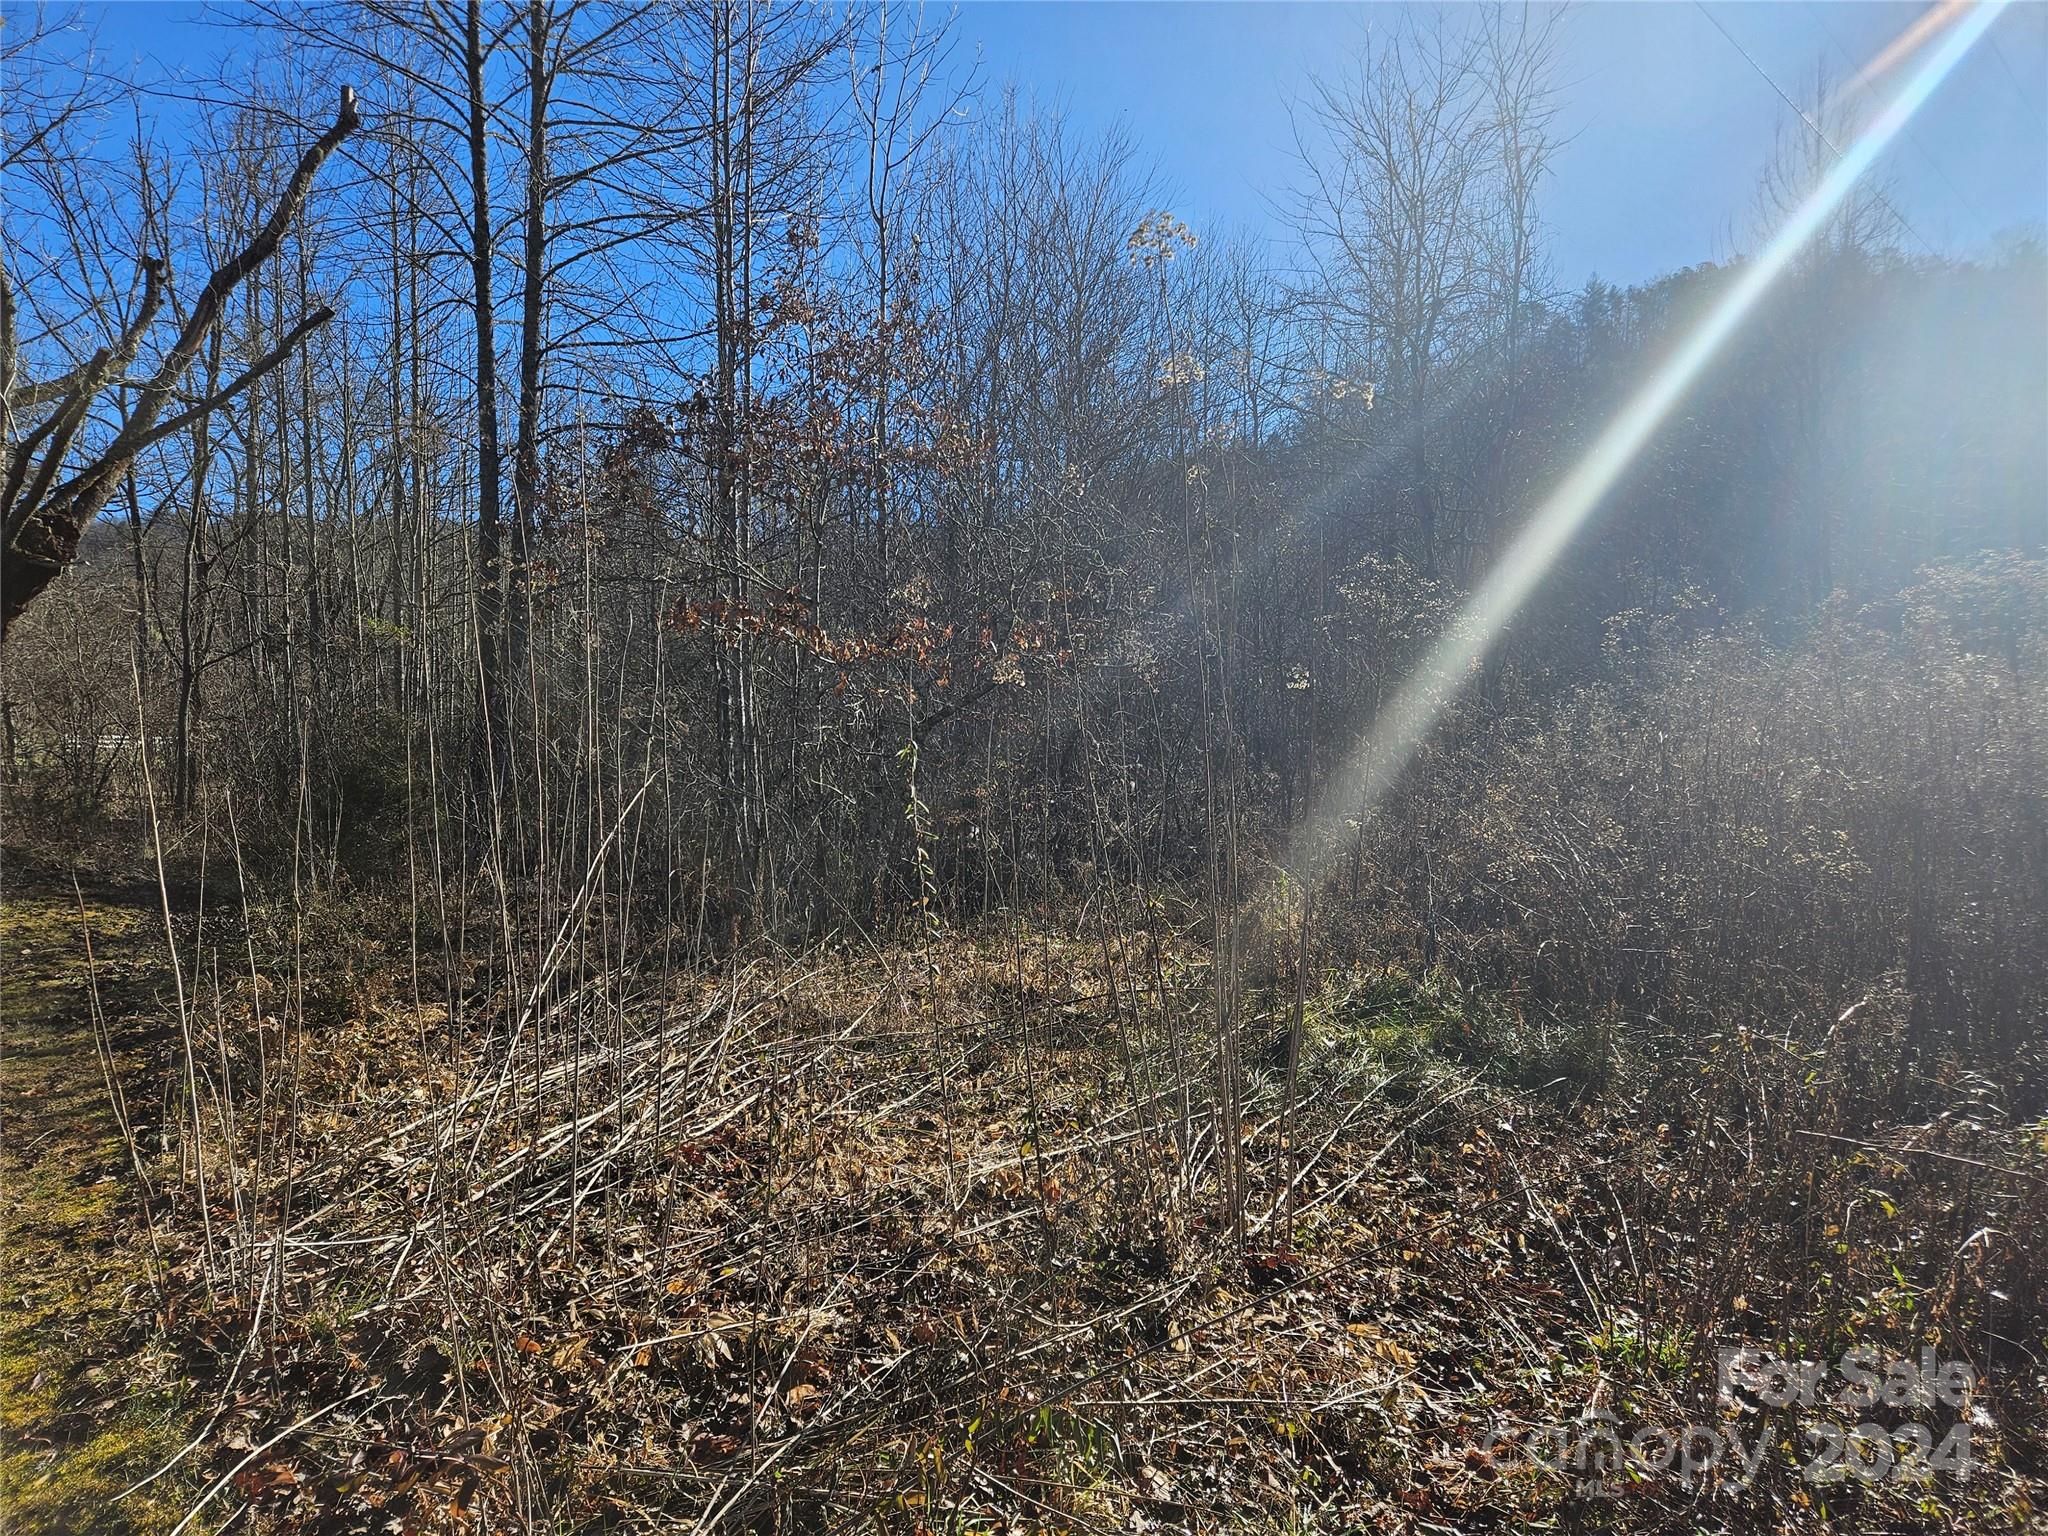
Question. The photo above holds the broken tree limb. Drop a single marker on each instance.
(45, 520)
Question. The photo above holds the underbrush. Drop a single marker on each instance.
(1722, 831)
(1004, 1230)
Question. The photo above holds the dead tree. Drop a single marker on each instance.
(47, 509)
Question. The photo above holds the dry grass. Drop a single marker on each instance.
(936, 1237)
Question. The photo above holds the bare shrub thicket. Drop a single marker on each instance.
(1730, 830)
(1702, 1015)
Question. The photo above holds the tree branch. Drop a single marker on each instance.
(44, 526)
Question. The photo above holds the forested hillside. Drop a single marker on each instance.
(848, 832)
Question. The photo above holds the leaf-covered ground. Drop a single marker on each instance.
(988, 1233)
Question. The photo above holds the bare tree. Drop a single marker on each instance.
(1809, 140)
(1391, 218)
(72, 437)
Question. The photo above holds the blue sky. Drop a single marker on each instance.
(1669, 123)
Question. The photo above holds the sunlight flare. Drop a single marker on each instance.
(1379, 759)
(1917, 32)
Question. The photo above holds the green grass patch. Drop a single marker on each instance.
(81, 1416)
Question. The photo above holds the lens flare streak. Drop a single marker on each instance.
(1378, 761)
(1902, 47)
